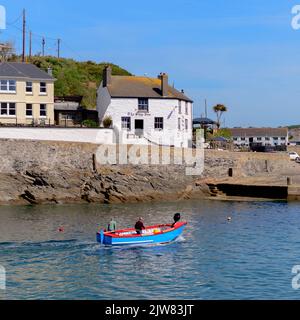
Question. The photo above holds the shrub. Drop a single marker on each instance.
(90, 124)
(107, 122)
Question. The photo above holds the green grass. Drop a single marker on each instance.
(74, 77)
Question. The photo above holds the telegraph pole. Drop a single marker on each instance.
(43, 44)
(206, 108)
(58, 48)
(24, 35)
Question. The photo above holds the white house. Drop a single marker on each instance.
(146, 110)
(244, 137)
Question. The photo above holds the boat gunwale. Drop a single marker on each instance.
(115, 235)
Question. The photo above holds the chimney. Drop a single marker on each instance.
(164, 84)
(50, 71)
(107, 76)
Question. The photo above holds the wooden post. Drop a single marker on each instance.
(30, 44)
(24, 36)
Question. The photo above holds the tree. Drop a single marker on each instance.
(219, 109)
(6, 51)
(224, 133)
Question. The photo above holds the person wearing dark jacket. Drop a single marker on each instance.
(177, 218)
(139, 226)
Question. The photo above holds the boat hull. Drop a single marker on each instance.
(119, 238)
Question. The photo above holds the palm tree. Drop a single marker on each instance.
(219, 109)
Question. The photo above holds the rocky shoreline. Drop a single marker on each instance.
(41, 172)
(35, 172)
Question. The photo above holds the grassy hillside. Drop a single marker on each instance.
(76, 78)
(294, 127)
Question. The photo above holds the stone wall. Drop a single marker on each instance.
(60, 172)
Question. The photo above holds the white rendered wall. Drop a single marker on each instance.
(166, 108)
(97, 136)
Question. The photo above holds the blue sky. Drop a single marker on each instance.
(243, 54)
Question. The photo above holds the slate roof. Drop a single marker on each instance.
(141, 87)
(23, 70)
(259, 132)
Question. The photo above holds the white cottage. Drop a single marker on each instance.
(146, 110)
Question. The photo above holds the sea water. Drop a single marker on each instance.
(50, 252)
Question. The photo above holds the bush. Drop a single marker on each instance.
(90, 124)
(107, 122)
(74, 78)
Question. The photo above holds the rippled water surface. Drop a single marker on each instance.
(250, 257)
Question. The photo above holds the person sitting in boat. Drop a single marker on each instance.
(139, 226)
(177, 218)
(112, 226)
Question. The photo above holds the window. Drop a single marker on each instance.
(29, 87)
(267, 138)
(180, 107)
(235, 139)
(43, 87)
(143, 104)
(259, 139)
(8, 109)
(29, 110)
(283, 138)
(186, 108)
(186, 124)
(126, 123)
(179, 124)
(243, 139)
(275, 138)
(43, 110)
(8, 86)
(159, 123)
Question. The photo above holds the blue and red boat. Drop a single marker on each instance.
(159, 234)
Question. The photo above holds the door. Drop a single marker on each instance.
(139, 128)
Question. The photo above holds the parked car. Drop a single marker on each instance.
(294, 156)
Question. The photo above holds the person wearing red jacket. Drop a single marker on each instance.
(139, 226)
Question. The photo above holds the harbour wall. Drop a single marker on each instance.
(39, 172)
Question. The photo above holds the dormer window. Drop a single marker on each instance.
(143, 105)
(8, 86)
